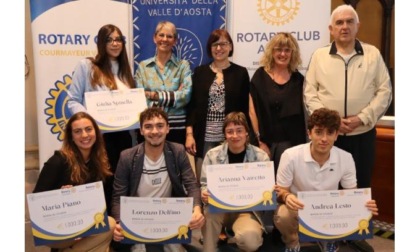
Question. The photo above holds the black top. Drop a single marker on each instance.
(279, 108)
(236, 158)
(56, 173)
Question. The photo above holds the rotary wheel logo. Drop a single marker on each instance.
(57, 110)
(278, 12)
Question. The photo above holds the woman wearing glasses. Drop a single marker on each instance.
(166, 80)
(219, 88)
(276, 107)
(109, 70)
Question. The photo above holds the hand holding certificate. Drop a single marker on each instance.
(335, 215)
(156, 220)
(69, 213)
(241, 187)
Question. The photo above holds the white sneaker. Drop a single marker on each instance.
(295, 249)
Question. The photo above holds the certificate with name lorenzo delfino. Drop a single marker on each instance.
(156, 220)
(241, 187)
(335, 215)
(67, 214)
(116, 110)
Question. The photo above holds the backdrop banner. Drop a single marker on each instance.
(63, 33)
(194, 20)
(253, 24)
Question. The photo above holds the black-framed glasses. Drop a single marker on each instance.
(221, 44)
(117, 40)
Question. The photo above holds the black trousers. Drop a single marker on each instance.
(363, 149)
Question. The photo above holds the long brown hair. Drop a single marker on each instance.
(80, 173)
(101, 64)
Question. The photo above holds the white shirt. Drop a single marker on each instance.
(155, 180)
(299, 171)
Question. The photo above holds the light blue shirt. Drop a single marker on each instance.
(81, 84)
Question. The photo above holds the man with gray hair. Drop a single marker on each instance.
(351, 77)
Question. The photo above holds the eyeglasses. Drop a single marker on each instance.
(117, 40)
(168, 36)
(221, 44)
(282, 49)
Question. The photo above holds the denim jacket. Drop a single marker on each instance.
(219, 155)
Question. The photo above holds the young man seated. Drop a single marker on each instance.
(314, 166)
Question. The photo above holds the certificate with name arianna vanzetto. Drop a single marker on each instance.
(241, 187)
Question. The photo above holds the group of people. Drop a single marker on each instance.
(306, 125)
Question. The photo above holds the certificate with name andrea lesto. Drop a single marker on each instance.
(241, 187)
(155, 220)
(335, 215)
(67, 214)
(116, 110)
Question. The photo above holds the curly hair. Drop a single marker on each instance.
(80, 173)
(282, 39)
(326, 118)
(152, 112)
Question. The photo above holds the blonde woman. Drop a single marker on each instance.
(276, 107)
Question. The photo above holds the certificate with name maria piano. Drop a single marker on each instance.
(335, 215)
(156, 220)
(116, 110)
(67, 214)
(241, 187)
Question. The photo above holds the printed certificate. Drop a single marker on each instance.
(241, 187)
(156, 220)
(66, 214)
(116, 110)
(335, 215)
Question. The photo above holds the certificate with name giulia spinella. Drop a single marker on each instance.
(67, 214)
(335, 215)
(241, 187)
(116, 110)
(156, 220)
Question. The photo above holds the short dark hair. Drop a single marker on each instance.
(152, 112)
(237, 118)
(325, 118)
(215, 36)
